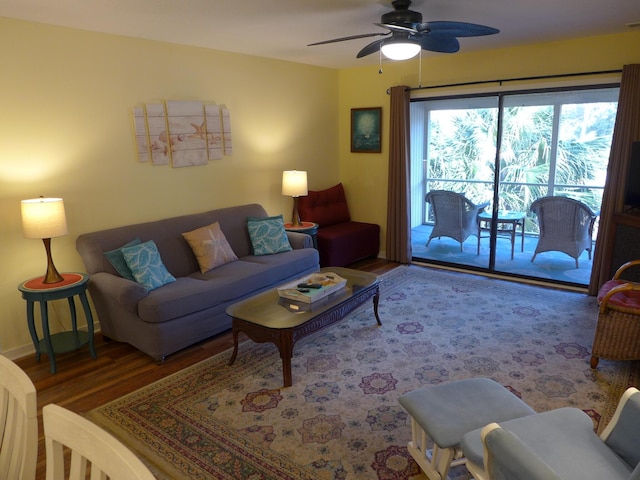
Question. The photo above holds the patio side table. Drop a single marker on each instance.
(507, 224)
(35, 290)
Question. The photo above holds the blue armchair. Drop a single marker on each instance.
(558, 444)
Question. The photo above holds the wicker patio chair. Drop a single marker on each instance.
(617, 335)
(566, 225)
(455, 216)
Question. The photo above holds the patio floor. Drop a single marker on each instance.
(548, 266)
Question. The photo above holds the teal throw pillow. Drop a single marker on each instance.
(116, 258)
(146, 265)
(268, 235)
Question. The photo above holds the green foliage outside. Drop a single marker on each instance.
(534, 162)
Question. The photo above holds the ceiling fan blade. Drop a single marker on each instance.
(369, 49)
(406, 25)
(397, 28)
(435, 43)
(456, 29)
(352, 37)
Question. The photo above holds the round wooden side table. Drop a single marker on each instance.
(35, 290)
(309, 228)
(507, 224)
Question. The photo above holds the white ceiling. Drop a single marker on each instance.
(281, 29)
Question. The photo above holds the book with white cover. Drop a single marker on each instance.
(329, 283)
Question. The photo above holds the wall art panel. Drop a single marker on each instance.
(187, 134)
(158, 137)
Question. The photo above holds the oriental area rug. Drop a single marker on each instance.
(341, 418)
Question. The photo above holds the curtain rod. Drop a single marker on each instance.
(520, 79)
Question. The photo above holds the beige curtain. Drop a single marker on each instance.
(398, 225)
(626, 131)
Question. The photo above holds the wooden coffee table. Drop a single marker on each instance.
(266, 317)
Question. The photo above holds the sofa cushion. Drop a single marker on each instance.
(325, 207)
(116, 258)
(626, 301)
(210, 246)
(279, 265)
(227, 283)
(268, 235)
(179, 299)
(146, 265)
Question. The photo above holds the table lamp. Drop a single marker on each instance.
(45, 218)
(294, 184)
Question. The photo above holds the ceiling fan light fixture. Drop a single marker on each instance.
(400, 50)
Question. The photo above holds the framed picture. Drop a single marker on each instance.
(366, 130)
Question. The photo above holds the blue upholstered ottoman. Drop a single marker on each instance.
(444, 413)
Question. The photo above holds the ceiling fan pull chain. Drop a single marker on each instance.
(380, 63)
(420, 70)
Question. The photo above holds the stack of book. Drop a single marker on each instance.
(313, 287)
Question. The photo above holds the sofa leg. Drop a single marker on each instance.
(160, 361)
(594, 362)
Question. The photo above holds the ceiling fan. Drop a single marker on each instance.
(407, 34)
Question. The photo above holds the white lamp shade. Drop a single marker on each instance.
(400, 50)
(294, 183)
(43, 218)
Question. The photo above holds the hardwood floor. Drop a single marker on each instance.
(83, 384)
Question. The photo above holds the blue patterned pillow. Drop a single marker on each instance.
(146, 265)
(268, 235)
(116, 258)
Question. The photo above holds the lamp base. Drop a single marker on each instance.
(52, 275)
(295, 216)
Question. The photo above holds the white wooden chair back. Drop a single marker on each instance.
(91, 447)
(18, 423)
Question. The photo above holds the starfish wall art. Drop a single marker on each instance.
(183, 133)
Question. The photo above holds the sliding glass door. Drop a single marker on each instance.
(508, 150)
(453, 148)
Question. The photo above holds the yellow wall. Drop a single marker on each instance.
(66, 131)
(365, 175)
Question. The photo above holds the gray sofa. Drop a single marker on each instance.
(162, 321)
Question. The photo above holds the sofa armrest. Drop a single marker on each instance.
(123, 291)
(300, 240)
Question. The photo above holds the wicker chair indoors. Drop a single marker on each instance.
(455, 215)
(617, 335)
(566, 225)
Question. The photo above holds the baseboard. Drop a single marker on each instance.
(509, 278)
(20, 352)
(28, 349)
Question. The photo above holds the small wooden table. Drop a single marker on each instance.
(507, 224)
(268, 318)
(309, 228)
(35, 290)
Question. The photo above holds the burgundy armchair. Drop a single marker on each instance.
(341, 241)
